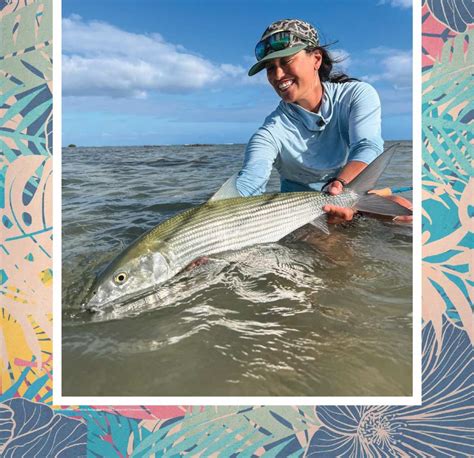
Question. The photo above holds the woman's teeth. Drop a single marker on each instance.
(285, 85)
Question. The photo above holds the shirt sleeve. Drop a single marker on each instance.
(365, 136)
(260, 155)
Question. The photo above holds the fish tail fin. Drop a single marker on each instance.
(367, 180)
(371, 203)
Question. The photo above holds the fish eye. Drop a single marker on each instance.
(120, 278)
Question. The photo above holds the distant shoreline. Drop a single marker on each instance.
(185, 145)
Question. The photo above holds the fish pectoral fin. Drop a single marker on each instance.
(321, 223)
(197, 262)
(228, 190)
(372, 203)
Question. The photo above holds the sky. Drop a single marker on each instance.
(160, 72)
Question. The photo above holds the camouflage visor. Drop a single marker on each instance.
(279, 41)
(283, 38)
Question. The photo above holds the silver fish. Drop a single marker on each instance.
(225, 223)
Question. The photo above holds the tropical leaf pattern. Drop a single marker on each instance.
(456, 15)
(25, 200)
(441, 426)
(448, 184)
(34, 429)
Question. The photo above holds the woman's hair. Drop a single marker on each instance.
(325, 70)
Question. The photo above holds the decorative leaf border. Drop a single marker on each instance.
(441, 426)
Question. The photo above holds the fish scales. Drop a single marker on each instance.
(227, 221)
(234, 223)
(248, 221)
(223, 220)
(210, 213)
(229, 218)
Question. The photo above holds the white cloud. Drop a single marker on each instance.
(397, 3)
(395, 68)
(101, 59)
(343, 58)
(395, 102)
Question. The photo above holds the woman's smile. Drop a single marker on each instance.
(285, 85)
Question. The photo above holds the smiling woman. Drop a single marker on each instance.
(326, 129)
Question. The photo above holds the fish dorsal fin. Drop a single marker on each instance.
(367, 179)
(228, 190)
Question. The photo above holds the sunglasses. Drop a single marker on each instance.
(277, 42)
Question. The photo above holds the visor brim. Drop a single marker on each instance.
(260, 65)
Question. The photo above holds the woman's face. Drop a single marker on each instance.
(295, 78)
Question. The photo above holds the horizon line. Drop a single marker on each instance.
(185, 144)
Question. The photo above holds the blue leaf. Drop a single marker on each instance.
(6, 424)
(281, 420)
(40, 432)
(33, 69)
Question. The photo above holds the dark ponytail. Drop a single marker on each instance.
(325, 70)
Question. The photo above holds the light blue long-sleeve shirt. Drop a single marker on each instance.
(309, 148)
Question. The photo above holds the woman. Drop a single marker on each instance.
(326, 129)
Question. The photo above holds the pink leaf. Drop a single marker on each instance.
(145, 412)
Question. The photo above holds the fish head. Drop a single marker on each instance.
(126, 279)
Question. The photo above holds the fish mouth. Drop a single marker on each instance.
(94, 306)
(91, 306)
(91, 309)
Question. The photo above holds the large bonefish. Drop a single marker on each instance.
(226, 223)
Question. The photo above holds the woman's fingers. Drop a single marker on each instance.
(335, 188)
(403, 219)
(338, 214)
(404, 203)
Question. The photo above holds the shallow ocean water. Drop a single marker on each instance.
(313, 315)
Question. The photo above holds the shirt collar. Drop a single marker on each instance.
(313, 121)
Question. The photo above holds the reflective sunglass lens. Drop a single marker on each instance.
(260, 50)
(275, 42)
(279, 39)
(279, 44)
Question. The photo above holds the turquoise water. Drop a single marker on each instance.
(313, 315)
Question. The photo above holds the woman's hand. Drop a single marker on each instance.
(404, 203)
(347, 174)
(336, 214)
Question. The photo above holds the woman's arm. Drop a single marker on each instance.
(260, 155)
(347, 174)
(364, 129)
